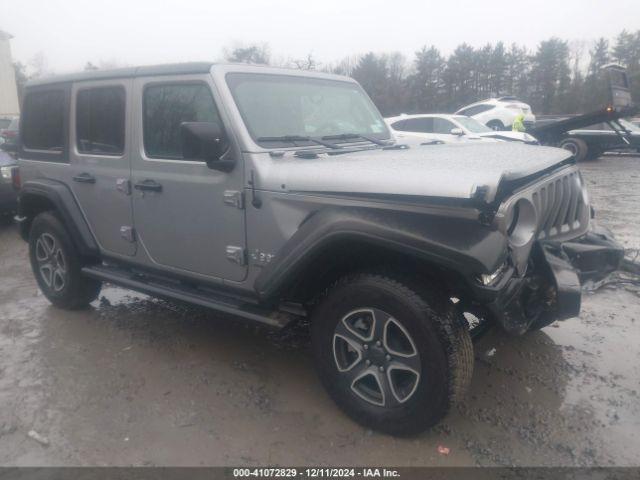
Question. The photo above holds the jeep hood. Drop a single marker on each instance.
(450, 170)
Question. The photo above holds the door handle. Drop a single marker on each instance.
(84, 178)
(148, 186)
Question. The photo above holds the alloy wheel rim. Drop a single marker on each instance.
(376, 356)
(52, 264)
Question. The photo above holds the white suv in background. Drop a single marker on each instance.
(499, 113)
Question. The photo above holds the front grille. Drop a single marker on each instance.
(561, 207)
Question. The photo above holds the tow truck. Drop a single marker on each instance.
(573, 133)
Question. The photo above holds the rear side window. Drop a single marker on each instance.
(165, 108)
(421, 125)
(44, 117)
(100, 120)
(471, 111)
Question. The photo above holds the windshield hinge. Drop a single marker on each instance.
(236, 255)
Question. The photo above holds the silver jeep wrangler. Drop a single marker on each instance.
(280, 195)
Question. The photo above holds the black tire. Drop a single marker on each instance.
(496, 125)
(56, 265)
(436, 333)
(577, 147)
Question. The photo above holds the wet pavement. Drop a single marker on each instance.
(138, 381)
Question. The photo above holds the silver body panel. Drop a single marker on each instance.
(191, 228)
(105, 207)
(187, 226)
(448, 171)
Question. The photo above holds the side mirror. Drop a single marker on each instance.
(457, 132)
(205, 141)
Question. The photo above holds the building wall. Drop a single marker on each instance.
(8, 90)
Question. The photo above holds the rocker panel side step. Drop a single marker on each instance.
(123, 278)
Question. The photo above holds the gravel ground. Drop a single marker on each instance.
(137, 381)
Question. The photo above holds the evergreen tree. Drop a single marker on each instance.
(551, 76)
(425, 85)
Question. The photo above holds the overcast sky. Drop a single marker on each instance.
(71, 32)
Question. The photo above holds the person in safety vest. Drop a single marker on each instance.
(518, 124)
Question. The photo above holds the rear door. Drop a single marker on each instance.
(100, 161)
(188, 217)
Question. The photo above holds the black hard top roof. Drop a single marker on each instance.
(151, 70)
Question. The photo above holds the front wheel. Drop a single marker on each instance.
(56, 264)
(393, 355)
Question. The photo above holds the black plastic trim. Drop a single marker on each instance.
(58, 194)
(462, 245)
(190, 295)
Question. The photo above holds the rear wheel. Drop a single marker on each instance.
(577, 147)
(56, 264)
(393, 356)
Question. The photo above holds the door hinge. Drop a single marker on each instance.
(123, 185)
(236, 255)
(128, 233)
(234, 198)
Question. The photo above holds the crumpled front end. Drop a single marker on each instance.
(554, 249)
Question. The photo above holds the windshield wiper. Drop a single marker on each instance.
(298, 138)
(350, 136)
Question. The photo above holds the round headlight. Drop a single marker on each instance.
(521, 223)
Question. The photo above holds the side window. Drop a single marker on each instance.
(43, 120)
(100, 120)
(421, 125)
(440, 125)
(165, 107)
(471, 111)
(398, 125)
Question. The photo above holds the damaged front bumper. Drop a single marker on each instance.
(551, 289)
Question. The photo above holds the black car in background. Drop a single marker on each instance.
(591, 142)
(9, 184)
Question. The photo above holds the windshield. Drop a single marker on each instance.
(275, 106)
(473, 125)
(629, 126)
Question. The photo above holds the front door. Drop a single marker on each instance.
(100, 161)
(184, 218)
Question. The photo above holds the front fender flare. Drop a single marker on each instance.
(460, 244)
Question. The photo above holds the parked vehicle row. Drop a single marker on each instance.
(280, 195)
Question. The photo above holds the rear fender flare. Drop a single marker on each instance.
(35, 192)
